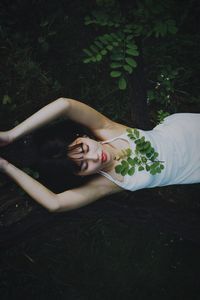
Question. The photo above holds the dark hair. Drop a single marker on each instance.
(45, 151)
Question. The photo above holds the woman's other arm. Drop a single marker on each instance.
(98, 187)
(95, 189)
(36, 190)
(48, 113)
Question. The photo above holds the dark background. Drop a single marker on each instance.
(141, 245)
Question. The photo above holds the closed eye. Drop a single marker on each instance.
(85, 148)
(85, 164)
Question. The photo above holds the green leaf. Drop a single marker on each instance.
(131, 62)
(115, 37)
(147, 168)
(144, 159)
(128, 68)
(136, 132)
(115, 65)
(99, 57)
(88, 52)
(124, 163)
(132, 52)
(153, 172)
(104, 52)
(122, 83)
(140, 168)
(129, 130)
(117, 57)
(131, 161)
(149, 150)
(115, 74)
(108, 37)
(131, 45)
(142, 140)
(147, 145)
(87, 60)
(131, 171)
(94, 48)
(103, 40)
(136, 160)
(98, 44)
(125, 171)
(118, 168)
(155, 164)
(129, 37)
(109, 47)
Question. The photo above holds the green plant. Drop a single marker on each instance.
(145, 157)
(122, 48)
(164, 86)
(149, 18)
(161, 115)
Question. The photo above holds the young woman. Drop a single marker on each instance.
(176, 141)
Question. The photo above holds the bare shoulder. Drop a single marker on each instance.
(110, 130)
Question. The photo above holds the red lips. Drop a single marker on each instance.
(103, 157)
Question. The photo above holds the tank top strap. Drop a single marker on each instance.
(123, 135)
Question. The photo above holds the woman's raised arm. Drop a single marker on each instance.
(72, 109)
(48, 113)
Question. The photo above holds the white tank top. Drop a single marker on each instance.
(177, 141)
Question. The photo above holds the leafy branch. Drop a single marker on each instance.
(145, 157)
(149, 18)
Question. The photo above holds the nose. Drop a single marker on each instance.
(91, 156)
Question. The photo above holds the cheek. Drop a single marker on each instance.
(93, 167)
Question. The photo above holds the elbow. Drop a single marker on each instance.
(65, 105)
(54, 207)
(64, 101)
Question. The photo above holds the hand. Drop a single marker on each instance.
(5, 138)
(3, 164)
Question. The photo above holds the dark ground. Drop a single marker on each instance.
(141, 245)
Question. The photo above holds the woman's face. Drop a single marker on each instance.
(91, 157)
